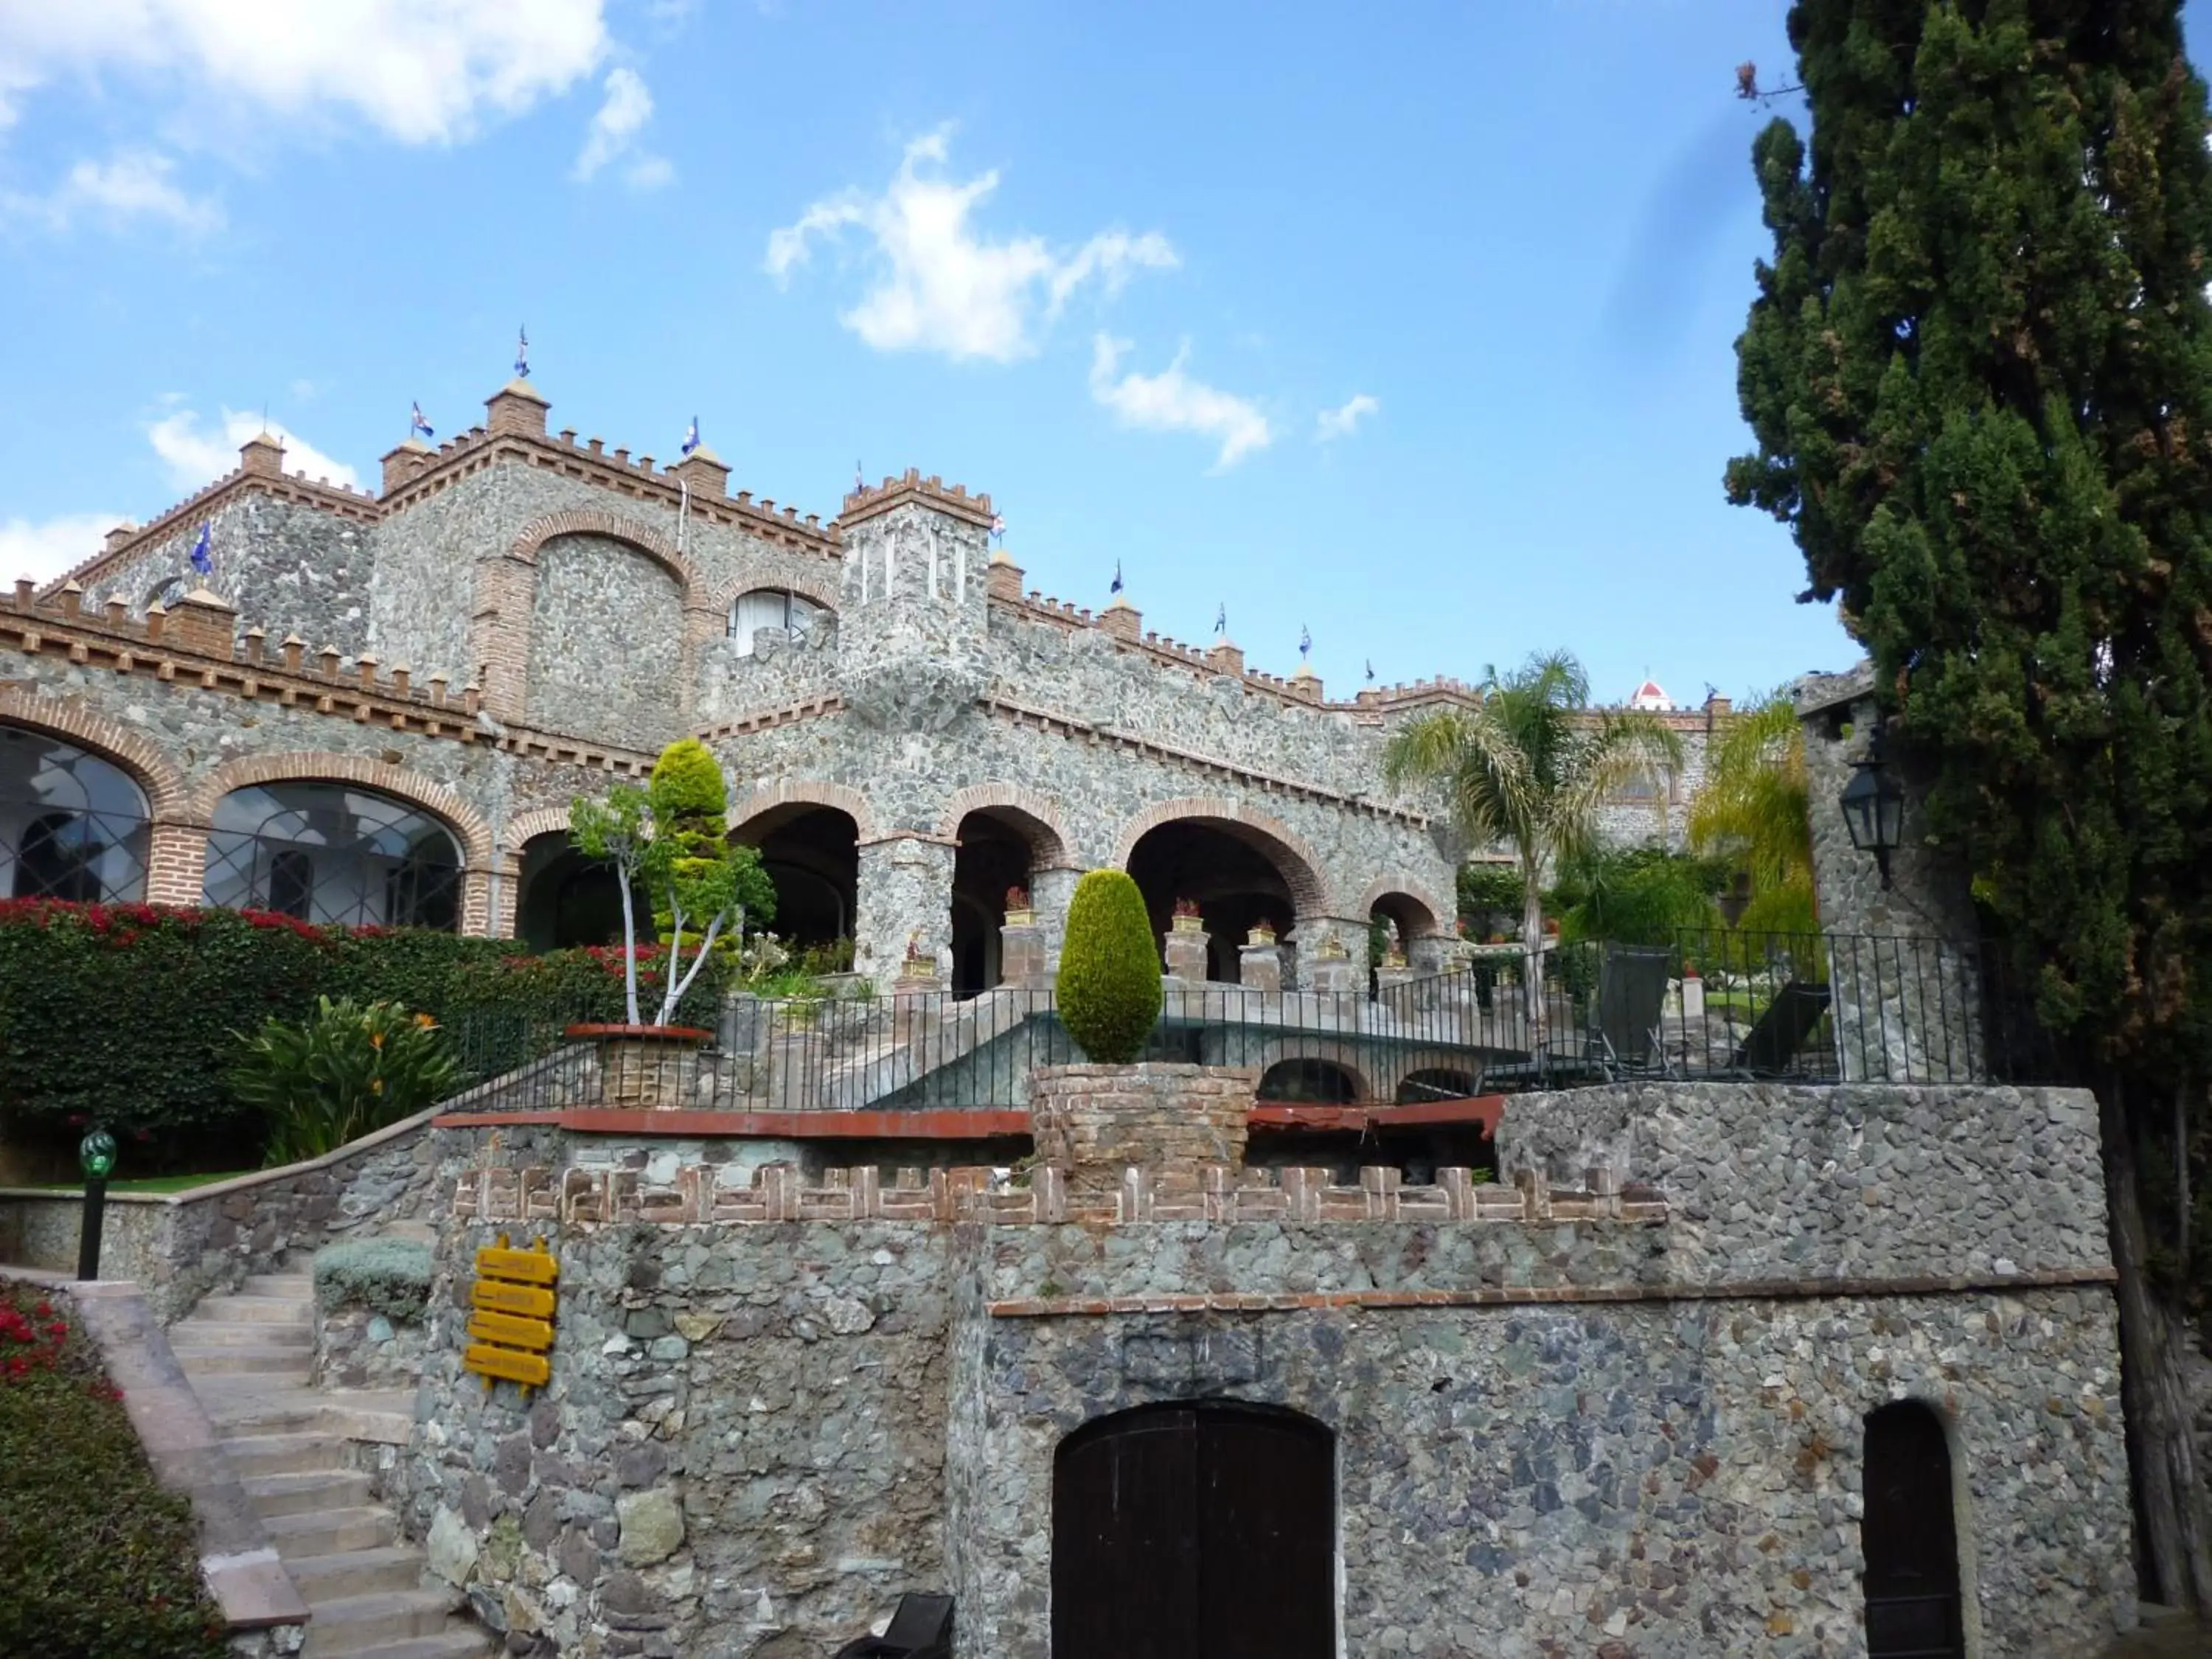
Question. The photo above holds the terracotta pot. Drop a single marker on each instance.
(655, 1067)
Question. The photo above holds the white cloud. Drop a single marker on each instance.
(1171, 401)
(422, 71)
(612, 136)
(938, 283)
(43, 549)
(197, 456)
(1340, 422)
(133, 185)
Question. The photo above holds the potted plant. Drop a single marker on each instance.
(1018, 911)
(1187, 919)
(1263, 932)
(669, 839)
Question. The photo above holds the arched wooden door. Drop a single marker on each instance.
(1909, 1538)
(1196, 1531)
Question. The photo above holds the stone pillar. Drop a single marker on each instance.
(1903, 962)
(1022, 957)
(1392, 975)
(1095, 1121)
(905, 894)
(1259, 967)
(176, 862)
(1318, 939)
(1186, 954)
(1051, 891)
(1436, 953)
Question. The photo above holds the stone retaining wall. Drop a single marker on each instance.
(356, 1348)
(1095, 1121)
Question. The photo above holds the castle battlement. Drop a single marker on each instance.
(932, 491)
(725, 1195)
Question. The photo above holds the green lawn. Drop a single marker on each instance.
(153, 1183)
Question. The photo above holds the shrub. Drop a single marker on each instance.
(387, 1276)
(338, 1075)
(1110, 970)
(99, 1562)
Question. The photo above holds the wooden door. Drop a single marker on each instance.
(1187, 1530)
(1910, 1537)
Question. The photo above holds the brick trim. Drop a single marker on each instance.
(1399, 887)
(1287, 850)
(793, 791)
(1051, 845)
(805, 584)
(158, 780)
(544, 820)
(590, 521)
(320, 766)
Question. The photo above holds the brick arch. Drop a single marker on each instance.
(1420, 894)
(317, 766)
(1051, 847)
(157, 778)
(544, 821)
(590, 521)
(805, 584)
(801, 791)
(1287, 849)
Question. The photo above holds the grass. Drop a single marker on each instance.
(153, 1183)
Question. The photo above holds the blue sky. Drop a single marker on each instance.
(1411, 325)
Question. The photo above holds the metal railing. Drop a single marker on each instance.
(1795, 1008)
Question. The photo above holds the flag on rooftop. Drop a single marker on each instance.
(1117, 578)
(1306, 640)
(1221, 618)
(521, 354)
(1370, 670)
(203, 551)
(417, 427)
(998, 526)
(691, 438)
(860, 479)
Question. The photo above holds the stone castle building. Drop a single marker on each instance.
(377, 708)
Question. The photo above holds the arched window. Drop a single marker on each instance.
(771, 607)
(330, 853)
(72, 826)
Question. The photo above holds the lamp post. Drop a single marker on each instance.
(1874, 809)
(95, 1155)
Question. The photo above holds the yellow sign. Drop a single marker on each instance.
(532, 1371)
(512, 1325)
(528, 1300)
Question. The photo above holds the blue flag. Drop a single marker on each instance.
(1221, 619)
(1306, 640)
(691, 438)
(1117, 578)
(417, 427)
(203, 551)
(1371, 669)
(521, 354)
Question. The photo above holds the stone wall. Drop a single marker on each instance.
(178, 1247)
(606, 634)
(1096, 1121)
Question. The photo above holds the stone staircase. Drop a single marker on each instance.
(248, 1356)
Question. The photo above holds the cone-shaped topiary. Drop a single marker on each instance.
(1110, 970)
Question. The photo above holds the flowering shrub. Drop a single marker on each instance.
(341, 1073)
(97, 1561)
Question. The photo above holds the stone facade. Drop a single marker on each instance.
(1614, 1405)
(518, 616)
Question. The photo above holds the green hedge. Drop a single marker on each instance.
(126, 1014)
(97, 1561)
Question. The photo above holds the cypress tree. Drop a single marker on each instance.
(1979, 372)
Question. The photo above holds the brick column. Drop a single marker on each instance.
(1095, 1121)
(176, 861)
(1186, 954)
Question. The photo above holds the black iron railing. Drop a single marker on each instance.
(1795, 1008)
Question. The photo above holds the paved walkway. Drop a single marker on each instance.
(2169, 1639)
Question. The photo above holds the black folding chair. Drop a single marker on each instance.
(1632, 996)
(1770, 1047)
(922, 1628)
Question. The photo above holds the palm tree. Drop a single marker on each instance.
(1531, 763)
(1755, 809)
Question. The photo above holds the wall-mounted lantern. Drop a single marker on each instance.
(1874, 809)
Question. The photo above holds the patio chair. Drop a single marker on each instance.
(921, 1628)
(1631, 999)
(1771, 1044)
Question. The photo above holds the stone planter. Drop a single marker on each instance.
(1021, 918)
(653, 1067)
(1190, 924)
(1095, 1121)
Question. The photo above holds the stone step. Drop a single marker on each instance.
(252, 1310)
(260, 1361)
(321, 1579)
(458, 1640)
(315, 1489)
(327, 1532)
(296, 1452)
(297, 1287)
(198, 1333)
(355, 1624)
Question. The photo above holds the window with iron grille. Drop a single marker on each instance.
(72, 826)
(328, 853)
(769, 607)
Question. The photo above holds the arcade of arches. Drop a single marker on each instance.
(812, 856)
(1237, 877)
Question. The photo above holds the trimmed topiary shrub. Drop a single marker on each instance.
(1110, 970)
(387, 1276)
